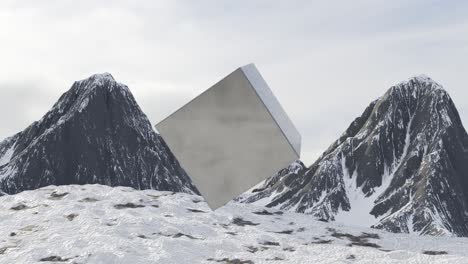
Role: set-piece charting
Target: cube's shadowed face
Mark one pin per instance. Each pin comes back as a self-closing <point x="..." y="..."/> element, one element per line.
<point x="232" y="136"/>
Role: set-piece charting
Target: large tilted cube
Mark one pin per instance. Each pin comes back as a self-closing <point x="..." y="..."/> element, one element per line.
<point x="232" y="136"/>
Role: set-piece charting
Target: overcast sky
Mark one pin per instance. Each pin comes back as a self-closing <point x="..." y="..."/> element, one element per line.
<point x="324" y="60"/>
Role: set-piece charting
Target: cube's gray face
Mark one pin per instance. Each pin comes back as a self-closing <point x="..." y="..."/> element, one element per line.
<point x="232" y="136"/>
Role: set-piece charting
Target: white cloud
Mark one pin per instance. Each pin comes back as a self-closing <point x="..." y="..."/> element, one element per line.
<point x="325" y="61"/>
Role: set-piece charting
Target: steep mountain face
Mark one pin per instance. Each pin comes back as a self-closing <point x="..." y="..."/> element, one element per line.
<point x="95" y="133"/>
<point x="401" y="166"/>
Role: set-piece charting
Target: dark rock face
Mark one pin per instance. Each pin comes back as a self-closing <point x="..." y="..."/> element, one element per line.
<point x="95" y="134"/>
<point x="401" y="166"/>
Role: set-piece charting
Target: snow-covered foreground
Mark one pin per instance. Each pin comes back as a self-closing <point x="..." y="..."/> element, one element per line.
<point x="99" y="224"/>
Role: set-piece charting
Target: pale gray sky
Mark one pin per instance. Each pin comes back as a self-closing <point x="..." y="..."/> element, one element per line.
<point x="324" y="60"/>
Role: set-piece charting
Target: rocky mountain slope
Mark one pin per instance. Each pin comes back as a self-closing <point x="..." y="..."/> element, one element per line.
<point x="100" y="224"/>
<point x="95" y="133"/>
<point x="401" y="166"/>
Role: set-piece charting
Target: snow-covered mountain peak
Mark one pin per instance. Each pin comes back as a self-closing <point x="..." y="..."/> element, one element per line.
<point x="103" y="76"/>
<point x="424" y="81"/>
<point x="421" y="78"/>
<point x="99" y="78"/>
<point x="92" y="95"/>
<point x="400" y="166"/>
<point x="95" y="133"/>
<point x="103" y="81"/>
<point x="419" y="85"/>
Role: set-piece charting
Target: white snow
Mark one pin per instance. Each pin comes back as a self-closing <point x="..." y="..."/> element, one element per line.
<point x="83" y="104"/>
<point x="7" y="155"/>
<point x="422" y="78"/>
<point x="294" y="167"/>
<point x="82" y="224"/>
<point x="4" y="160"/>
<point x="361" y="206"/>
<point x="445" y="117"/>
<point x="359" y="215"/>
<point x="7" y="171"/>
<point x="268" y="199"/>
<point x="98" y="80"/>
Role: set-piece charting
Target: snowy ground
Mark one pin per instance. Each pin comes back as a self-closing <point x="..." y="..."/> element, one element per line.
<point x="99" y="224"/>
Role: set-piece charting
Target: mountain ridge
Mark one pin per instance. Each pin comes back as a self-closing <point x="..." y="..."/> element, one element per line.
<point x="94" y="133"/>
<point x="400" y="166"/>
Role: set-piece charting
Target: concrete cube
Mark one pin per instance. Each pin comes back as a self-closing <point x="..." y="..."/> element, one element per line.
<point x="232" y="136"/>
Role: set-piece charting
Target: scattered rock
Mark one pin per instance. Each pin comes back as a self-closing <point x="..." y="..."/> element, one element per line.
<point x="231" y="261"/>
<point x="289" y="249"/>
<point x="57" y="196"/>
<point x="155" y="205"/>
<point x="142" y="236"/>
<point x="286" y="232"/>
<point x="364" y="244"/>
<point x="128" y="205"/>
<point x="184" y="235"/>
<point x="196" y="200"/>
<point x="88" y="200"/>
<point x="321" y="241"/>
<point x="434" y="253"/>
<point x="225" y="226"/>
<point x="269" y="243"/>
<point x="361" y="240"/>
<point x="232" y="233"/>
<point x="252" y="249"/>
<point x="195" y="210"/>
<point x="12" y="234"/>
<point x="54" y="259"/>
<point x="385" y="250"/>
<point x="369" y="235"/>
<point x="265" y="212"/>
<point x="178" y="235"/>
<point x="3" y="250"/>
<point x="19" y="207"/>
<point x="351" y="257"/>
<point x="275" y="259"/>
<point x="301" y="229"/>
<point x="241" y="222"/>
<point x="70" y="217"/>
